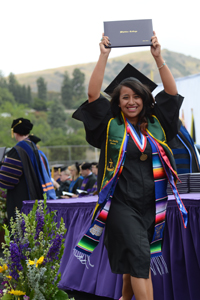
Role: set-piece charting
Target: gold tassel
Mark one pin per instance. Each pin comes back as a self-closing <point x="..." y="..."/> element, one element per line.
<point x="12" y="133"/>
<point x="52" y="172"/>
<point x="12" y="129"/>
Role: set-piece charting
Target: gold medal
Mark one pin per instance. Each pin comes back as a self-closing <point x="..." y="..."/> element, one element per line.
<point x="143" y="156"/>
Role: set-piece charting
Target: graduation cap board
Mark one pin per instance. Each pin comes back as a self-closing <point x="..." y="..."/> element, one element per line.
<point x="34" y="138"/>
<point x="130" y="72"/>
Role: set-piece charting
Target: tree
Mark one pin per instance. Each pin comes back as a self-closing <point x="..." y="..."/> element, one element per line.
<point x="57" y="116"/>
<point x="78" y="84"/>
<point x="28" y="94"/>
<point x="39" y="104"/>
<point x="12" y="83"/>
<point x="5" y="95"/>
<point x="67" y="91"/>
<point x="18" y="91"/>
<point x="3" y="82"/>
<point x="41" y="88"/>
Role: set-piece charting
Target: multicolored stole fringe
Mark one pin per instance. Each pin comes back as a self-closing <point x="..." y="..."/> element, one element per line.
<point x="162" y="172"/>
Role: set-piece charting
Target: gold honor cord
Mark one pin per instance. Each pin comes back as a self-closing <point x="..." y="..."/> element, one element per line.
<point x="12" y="129"/>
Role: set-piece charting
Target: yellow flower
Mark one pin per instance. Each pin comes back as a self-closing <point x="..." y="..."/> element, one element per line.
<point x="1" y="269"/>
<point x="16" y="293"/>
<point x="39" y="261"/>
<point x="9" y="277"/>
<point x="31" y="262"/>
<point x="4" y="268"/>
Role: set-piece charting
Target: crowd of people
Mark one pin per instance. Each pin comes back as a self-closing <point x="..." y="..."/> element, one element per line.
<point x="76" y="180"/>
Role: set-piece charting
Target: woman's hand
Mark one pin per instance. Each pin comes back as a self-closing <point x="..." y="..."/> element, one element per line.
<point x="155" y="47"/>
<point x="104" y="42"/>
<point x="165" y="74"/>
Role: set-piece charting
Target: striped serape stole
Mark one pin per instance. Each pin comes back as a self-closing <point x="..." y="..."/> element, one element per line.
<point x="90" y="240"/>
<point x="160" y="182"/>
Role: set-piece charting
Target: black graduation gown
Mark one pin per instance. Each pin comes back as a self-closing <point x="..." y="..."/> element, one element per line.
<point x="64" y="187"/>
<point x="90" y="182"/>
<point x="28" y="187"/>
<point x="130" y="223"/>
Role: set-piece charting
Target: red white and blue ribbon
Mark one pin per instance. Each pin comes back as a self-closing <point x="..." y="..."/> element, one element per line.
<point x="140" y="140"/>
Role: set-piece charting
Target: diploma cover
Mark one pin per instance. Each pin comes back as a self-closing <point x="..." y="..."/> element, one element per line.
<point x="132" y="33"/>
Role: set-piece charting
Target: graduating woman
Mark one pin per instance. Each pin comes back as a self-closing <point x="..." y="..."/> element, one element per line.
<point x="135" y="163"/>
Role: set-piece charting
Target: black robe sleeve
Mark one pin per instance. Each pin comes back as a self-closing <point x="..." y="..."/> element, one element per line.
<point x="95" y="116"/>
<point x="166" y="110"/>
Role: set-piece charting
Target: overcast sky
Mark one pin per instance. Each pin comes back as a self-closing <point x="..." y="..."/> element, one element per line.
<point x="41" y="34"/>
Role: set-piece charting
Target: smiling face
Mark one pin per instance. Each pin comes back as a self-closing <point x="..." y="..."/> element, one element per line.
<point x="131" y="104"/>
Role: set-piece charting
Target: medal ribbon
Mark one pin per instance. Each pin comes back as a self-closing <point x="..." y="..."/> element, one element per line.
<point x="140" y="141"/>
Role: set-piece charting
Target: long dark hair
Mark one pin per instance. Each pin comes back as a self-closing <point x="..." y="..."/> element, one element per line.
<point x="142" y="91"/>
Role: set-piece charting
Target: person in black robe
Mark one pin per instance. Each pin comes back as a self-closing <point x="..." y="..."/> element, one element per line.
<point x="185" y="153"/>
<point x="35" y="139"/>
<point x="130" y="221"/>
<point x="64" y="182"/>
<point x="17" y="173"/>
<point x="89" y="179"/>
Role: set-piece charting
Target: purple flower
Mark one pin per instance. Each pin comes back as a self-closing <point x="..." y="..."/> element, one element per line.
<point x="54" y="250"/>
<point x="40" y="223"/>
<point x="23" y="226"/>
<point x="1" y="292"/>
<point x="26" y="298"/>
<point x="16" y="257"/>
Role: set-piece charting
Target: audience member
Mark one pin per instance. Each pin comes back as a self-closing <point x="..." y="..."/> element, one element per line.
<point x="76" y="180"/>
<point x="22" y="172"/>
<point x="95" y="168"/>
<point x="89" y="178"/>
<point x="64" y="182"/>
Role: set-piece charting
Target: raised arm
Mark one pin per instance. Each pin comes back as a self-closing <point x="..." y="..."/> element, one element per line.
<point x="165" y="73"/>
<point x="97" y="76"/>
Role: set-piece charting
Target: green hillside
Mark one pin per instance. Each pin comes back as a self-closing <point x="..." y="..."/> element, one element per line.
<point x="180" y="65"/>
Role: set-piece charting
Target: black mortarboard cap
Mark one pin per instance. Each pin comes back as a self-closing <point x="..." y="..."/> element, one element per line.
<point x="21" y="126"/>
<point x="57" y="167"/>
<point x="127" y="72"/>
<point x="86" y="166"/>
<point x="63" y="168"/>
<point x="34" y="138"/>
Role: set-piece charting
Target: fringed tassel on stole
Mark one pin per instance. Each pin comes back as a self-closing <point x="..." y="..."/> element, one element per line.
<point x="83" y="258"/>
<point x="158" y="264"/>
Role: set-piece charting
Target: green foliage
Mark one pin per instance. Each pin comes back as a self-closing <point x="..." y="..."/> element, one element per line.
<point x="32" y="258"/>
<point x="67" y="91"/>
<point x="21" y="93"/>
<point x="78" y="85"/>
<point x="3" y="82"/>
<point x="57" y="116"/>
<point x="41" y="88"/>
<point x="6" y="95"/>
<point x="74" y="123"/>
<point x="73" y="90"/>
<point x="39" y="104"/>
